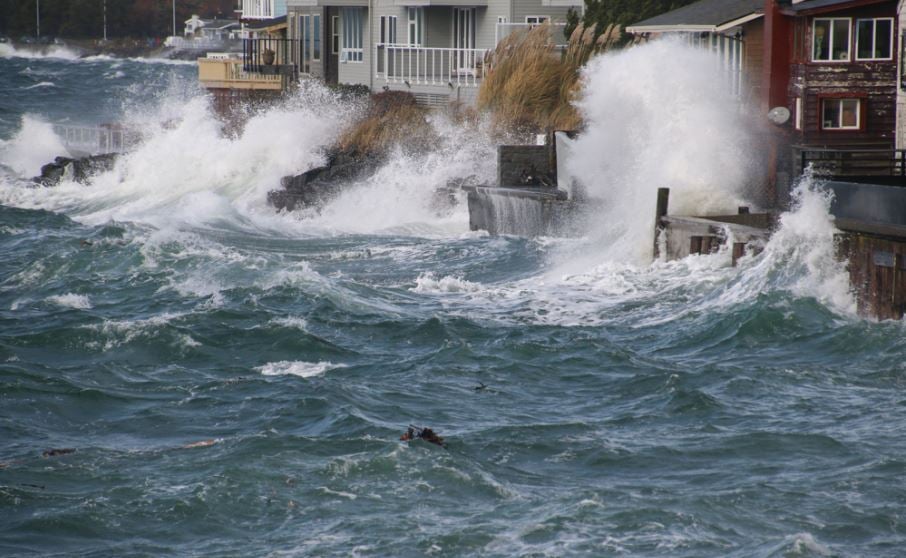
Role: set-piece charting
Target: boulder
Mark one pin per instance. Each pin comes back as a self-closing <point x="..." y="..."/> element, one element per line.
<point x="77" y="170"/>
<point x="316" y="187"/>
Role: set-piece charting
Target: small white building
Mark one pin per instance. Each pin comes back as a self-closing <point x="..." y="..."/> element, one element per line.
<point x="210" y="29"/>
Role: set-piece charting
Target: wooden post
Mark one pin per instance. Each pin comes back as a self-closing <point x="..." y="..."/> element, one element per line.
<point x="663" y="198"/>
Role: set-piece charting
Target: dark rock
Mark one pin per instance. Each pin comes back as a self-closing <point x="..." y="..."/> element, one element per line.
<point x="315" y="188"/>
<point x="78" y="170"/>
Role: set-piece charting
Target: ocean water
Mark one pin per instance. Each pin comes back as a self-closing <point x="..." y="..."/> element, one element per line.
<point x="234" y="381"/>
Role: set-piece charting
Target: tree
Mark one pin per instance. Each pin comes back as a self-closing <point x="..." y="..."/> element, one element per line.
<point x="625" y="12"/>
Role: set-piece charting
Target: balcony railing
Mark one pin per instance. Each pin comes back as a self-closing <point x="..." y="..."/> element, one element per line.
<point x="258" y="9"/>
<point x="94" y="140"/>
<point x="270" y="56"/>
<point x="413" y="65"/>
<point x="887" y="166"/>
<point x="221" y="72"/>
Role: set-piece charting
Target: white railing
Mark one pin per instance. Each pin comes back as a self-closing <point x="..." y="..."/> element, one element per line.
<point x="94" y="139"/>
<point x="558" y="35"/>
<point x="183" y="43"/>
<point x="257" y="9"/>
<point x="464" y="67"/>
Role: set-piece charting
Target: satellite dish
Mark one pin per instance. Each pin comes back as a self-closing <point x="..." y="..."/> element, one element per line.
<point x="779" y="115"/>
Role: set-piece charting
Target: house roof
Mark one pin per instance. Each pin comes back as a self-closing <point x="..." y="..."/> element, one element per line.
<point x="219" y="23"/>
<point x="266" y="23"/>
<point x="705" y="15"/>
<point x="808" y="5"/>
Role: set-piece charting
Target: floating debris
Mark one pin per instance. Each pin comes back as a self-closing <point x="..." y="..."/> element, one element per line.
<point x="56" y="452"/>
<point x="426" y="434"/>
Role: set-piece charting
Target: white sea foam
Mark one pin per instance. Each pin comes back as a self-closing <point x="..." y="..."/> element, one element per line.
<point x="291" y="322"/>
<point x="40" y="85"/>
<point x="34" y="145"/>
<point x="70" y="300"/>
<point x="55" y="51"/>
<point x="429" y="283"/>
<point x="657" y="115"/>
<point x="297" y="368"/>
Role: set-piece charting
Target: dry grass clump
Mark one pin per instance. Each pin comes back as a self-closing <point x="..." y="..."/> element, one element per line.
<point x="530" y="86"/>
<point x="393" y="118"/>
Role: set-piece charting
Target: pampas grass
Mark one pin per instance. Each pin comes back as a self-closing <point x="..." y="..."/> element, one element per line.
<point x="393" y="118"/>
<point x="530" y="86"/>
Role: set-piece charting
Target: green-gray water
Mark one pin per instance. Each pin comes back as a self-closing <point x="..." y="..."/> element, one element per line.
<point x="234" y="383"/>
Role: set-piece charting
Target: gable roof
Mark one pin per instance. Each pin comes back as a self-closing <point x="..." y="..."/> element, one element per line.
<point x="705" y="15"/>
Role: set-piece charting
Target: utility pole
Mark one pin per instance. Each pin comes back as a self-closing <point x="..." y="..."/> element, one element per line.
<point x="38" y="17"/>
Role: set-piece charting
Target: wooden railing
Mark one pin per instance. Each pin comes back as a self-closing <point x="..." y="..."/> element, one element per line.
<point x="413" y="65"/>
<point x="225" y="72"/>
<point x="843" y="163"/>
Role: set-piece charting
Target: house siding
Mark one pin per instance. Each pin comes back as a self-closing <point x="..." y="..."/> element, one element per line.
<point x="873" y="82"/>
<point x="753" y="62"/>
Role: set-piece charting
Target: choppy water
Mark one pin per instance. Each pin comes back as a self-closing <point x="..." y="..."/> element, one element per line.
<point x="234" y="382"/>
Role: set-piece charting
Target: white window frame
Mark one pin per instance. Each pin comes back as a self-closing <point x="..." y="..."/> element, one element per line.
<point x="388" y="29"/>
<point x="874" y="36"/>
<point x="840" y="100"/>
<point x="415" y="29"/>
<point x="316" y="31"/>
<point x="536" y="19"/>
<point x="352" y="51"/>
<point x="799" y="113"/>
<point x="830" y="40"/>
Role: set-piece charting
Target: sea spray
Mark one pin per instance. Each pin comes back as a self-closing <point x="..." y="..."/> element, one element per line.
<point x="657" y="115"/>
<point x="34" y="145"/>
<point x="801" y="256"/>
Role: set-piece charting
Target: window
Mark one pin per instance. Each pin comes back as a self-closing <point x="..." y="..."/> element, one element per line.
<point x="335" y="34"/>
<point x="316" y="37"/>
<point x="388" y="30"/>
<point x="536" y="20"/>
<point x="841" y="114"/>
<point x="304" y="43"/>
<point x="874" y="39"/>
<point x="416" y="25"/>
<point x="353" y="26"/>
<point x="830" y="39"/>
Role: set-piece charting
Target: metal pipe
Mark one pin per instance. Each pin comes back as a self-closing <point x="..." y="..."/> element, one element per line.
<point x="174" y="18"/>
<point x="38" y="18"/>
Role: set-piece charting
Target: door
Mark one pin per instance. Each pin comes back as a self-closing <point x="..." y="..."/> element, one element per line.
<point x="464" y="38"/>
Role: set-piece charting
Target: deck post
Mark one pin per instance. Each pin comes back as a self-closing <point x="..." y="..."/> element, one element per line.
<point x="663" y="198"/>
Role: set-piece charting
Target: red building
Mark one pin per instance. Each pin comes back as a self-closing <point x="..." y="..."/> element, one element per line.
<point x="834" y="65"/>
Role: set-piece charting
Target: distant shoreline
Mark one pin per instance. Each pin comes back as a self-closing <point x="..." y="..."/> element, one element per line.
<point x="116" y="48"/>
